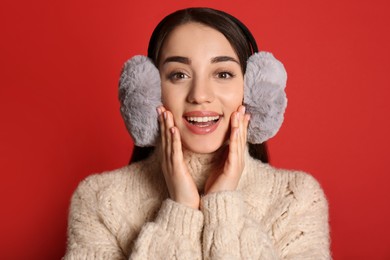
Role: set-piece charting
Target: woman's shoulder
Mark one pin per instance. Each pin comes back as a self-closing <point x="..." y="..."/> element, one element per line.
<point x="294" y="176"/>
<point x="114" y="179"/>
<point x="285" y="180"/>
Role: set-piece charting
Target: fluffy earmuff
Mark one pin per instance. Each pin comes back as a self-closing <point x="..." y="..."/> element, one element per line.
<point x="264" y="98"/>
<point x="139" y="96"/>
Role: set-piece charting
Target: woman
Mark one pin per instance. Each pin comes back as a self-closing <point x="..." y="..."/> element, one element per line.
<point x="199" y="193"/>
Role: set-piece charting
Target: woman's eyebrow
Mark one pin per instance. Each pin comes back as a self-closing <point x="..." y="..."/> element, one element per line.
<point x="223" y="59"/>
<point x="179" y="59"/>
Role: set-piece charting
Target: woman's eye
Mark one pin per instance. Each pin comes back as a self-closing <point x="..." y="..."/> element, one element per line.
<point x="177" y="76"/>
<point x="225" y="75"/>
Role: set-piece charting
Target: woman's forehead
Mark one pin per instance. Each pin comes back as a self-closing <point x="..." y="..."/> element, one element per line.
<point x="192" y="39"/>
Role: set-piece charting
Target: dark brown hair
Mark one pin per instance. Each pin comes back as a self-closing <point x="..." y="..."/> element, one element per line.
<point x="235" y="32"/>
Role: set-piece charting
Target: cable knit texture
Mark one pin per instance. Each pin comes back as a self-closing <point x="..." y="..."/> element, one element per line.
<point x="126" y="214"/>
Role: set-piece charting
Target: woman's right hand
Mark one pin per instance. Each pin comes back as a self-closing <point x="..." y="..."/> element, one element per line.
<point x="181" y="186"/>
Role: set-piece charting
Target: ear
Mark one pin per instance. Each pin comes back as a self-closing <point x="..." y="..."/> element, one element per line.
<point x="139" y="96"/>
<point x="264" y="96"/>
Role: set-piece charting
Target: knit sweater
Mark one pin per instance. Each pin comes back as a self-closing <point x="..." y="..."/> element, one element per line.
<point x="127" y="214"/>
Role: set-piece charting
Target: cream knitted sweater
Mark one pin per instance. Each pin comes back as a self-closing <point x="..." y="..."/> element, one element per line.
<point x="126" y="214"/>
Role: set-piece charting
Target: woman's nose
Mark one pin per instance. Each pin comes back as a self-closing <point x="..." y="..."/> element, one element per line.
<point x="200" y="92"/>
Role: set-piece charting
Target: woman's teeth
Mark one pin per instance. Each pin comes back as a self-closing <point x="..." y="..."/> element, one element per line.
<point x="202" y="119"/>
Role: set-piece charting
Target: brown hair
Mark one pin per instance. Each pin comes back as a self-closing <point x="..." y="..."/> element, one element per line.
<point x="235" y="32"/>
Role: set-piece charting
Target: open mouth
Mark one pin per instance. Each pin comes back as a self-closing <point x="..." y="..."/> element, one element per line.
<point x="202" y="121"/>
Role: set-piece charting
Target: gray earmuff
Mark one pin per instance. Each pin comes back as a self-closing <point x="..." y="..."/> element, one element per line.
<point x="139" y="96"/>
<point x="264" y="98"/>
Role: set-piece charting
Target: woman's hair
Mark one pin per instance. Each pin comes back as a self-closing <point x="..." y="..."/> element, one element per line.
<point x="235" y="32"/>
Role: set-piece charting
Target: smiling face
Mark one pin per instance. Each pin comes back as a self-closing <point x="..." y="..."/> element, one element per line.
<point x="202" y="85"/>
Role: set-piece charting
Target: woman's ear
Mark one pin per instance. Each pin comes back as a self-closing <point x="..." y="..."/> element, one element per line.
<point x="264" y="96"/>
<point x="139" y="96"/>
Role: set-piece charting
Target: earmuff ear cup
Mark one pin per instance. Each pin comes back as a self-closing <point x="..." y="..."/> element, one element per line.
<point x="264" y="96"/>
<point x="139" y="96"/>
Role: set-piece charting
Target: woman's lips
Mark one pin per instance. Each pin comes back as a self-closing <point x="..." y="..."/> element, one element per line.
<point x="202" y="122"/>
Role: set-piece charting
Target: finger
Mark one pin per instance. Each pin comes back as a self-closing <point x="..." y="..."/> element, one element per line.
<point x="168" y="124"/>
<point x="168" y="119"/>
<point x="241" y="126"/>
<point x="240" y="121"/>
<point x="177" y="153"/>
<point x="234" y="119"/>
<point x="234" y="132"/>
<point x="241" y="109"/>
<point x="246" y="124"/>
<point x="160" y="117"/>
<point x="160" y="111"/>
<point x="239" y="142"/>
<point x="231" y="161"/>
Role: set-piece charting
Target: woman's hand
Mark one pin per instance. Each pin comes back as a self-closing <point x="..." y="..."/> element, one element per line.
<point x="228" y="179"/>
<point x="181" y="186"/>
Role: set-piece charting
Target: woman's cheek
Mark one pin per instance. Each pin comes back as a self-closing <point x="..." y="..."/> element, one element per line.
<point x="172" y="98"/>
<point x="233" y="98"/>
<point x="167" y="93"/>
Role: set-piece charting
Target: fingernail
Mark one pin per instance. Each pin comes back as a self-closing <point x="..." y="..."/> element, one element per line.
<point x="243" y="109"/>
<point x="172" y="130"/>
<point x="165" y="115"/>
<point x="158" y="111"/>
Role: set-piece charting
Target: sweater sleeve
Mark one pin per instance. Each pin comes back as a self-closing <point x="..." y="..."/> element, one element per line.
<point x="228" y="233"/>
<point x="175" y="234"/>
<point x="295" y="228"/>
<point x="88" y="235"/>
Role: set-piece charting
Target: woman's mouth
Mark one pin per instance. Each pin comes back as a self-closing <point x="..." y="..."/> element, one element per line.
<point x="202" y="122"/>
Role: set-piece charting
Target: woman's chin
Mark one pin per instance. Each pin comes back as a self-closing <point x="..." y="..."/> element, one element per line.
<point x="202" y="147"/>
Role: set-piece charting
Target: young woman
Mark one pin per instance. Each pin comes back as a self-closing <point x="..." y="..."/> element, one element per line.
<point x="202" y="191"/>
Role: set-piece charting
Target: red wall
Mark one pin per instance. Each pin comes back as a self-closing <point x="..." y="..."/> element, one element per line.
<point x="60" y="121"/>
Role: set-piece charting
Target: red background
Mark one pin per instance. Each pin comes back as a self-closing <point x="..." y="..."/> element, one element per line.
<point x="60" y="121"/>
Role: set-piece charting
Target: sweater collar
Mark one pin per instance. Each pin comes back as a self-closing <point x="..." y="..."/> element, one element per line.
<point x="200" y="166"/>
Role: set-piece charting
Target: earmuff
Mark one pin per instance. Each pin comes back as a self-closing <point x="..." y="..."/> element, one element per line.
<point x="264" y="96"/>
<point x="139" y="96"/>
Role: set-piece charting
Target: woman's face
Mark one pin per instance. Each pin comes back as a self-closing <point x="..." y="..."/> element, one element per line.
<point x="202" y="85"/>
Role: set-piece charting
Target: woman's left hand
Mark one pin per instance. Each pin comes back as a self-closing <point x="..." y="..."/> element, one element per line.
<point x="228" y="178"/>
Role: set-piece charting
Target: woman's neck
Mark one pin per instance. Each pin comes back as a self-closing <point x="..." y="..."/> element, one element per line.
<point x="200" y="166"/>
